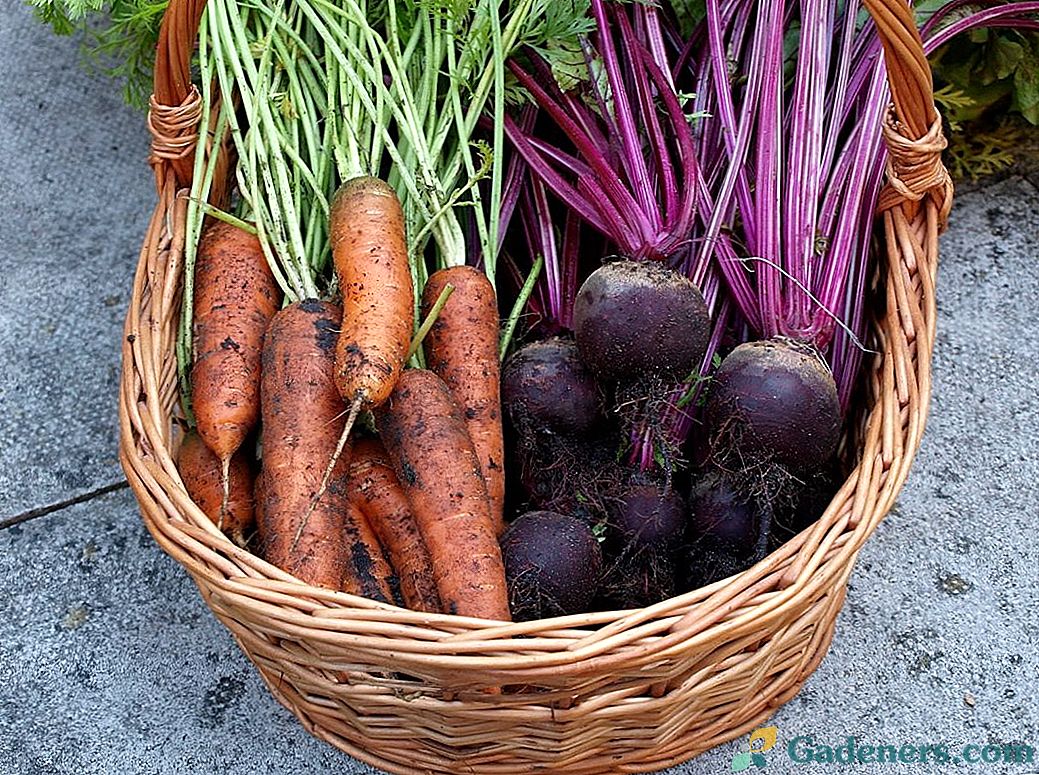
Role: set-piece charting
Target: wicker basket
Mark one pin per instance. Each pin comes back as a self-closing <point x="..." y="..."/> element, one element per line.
<point x="603" y="692"/>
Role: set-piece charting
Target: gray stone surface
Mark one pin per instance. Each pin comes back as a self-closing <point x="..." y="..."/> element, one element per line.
<point x="76" y="195"/>
<point x="110" y="662"/>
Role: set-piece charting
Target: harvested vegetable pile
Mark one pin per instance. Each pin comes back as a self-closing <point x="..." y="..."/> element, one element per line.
<point x="528" y="308"/>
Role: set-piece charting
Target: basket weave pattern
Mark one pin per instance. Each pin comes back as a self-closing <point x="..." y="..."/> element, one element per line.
<point x="596" y="693"/>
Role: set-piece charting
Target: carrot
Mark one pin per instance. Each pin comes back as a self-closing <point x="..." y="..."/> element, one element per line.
<point x="368" y="573"/>
<point x="370" y="254"/>
<point x="366" y="230"/>
<point x="302" y="417"/>
<point x="235" y="298"/>
<point x="462" y="349"/>
<point x="201" y="471"/>
<point x="377" y="493"/>
<point x="433" y="457"/>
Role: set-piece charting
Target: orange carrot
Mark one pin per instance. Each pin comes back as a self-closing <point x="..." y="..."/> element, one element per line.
<point x="302" y="419"/>
<point x="235" y="298"/>
<point x="368" y="574"/>
<point x="201" y="471"/>
<point x="462" y="349"/>
<point x="366" y="230"/>
<point x="426" y="438"/>
<point x="377" y="493"/>
<point x="370" y="254"/>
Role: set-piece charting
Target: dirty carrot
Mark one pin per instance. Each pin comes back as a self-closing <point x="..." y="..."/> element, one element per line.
<point x="425" y="436"/>
<point x="234" y="300"/>
<point x="374" y="488"/>
<point x="370" y="254"/>
<point x="368" y="573"/>
<point x="462" y="349"/>
<point x="302" y="415"/>
<point x="201" y="471"/>
<point x="366" y="230"/>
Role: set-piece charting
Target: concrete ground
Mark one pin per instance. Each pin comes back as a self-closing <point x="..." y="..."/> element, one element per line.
<point x="109" y="661"/>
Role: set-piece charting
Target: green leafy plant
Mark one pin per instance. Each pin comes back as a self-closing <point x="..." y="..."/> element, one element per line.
<point x="987" y="89"/>
<point x="990" y="70"/>
<point x="119" y="37"/>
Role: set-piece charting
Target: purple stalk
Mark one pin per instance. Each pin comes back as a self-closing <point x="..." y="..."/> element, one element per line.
<point x="665" y="171"/>
<point x="768" y="163"/>
<point x="515" y="174"/>
<point x="647" y="22"/>
<point x="1009" y="15"/>
<point x="541" y="234"/>
<point x="601" y="102"/>
<point x="838" y="94"/>
<point x="607" y="179"/>
<point x="847" y="355"/>
<point x="681" y="222"/>
<point x="571" y="260"/>
<point x="718" y="245"/>
<point x="864" y="161"/>
<point x="645" y="206"/>
<point x="802" y="189"/>
<point x="633" y="160"/>
<point x="583" y="116"/>
<point x="559" y="185"/>
<point x="718" y="74"/>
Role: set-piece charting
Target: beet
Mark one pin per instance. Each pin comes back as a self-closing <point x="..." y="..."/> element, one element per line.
<point x="721" y="516"/>
<point x="774" y="401"/>
<point x="638" y="317"/>
<point x="552" y="565"/>
<point x="807" y="506"/>
<point x="705" y="564"/>
<point x="638" y="581"/>
<point x="546" y="388"/>
<point x="725" y="530"/>
<point x="650" y="517"/>
<point x="648" y="523"/>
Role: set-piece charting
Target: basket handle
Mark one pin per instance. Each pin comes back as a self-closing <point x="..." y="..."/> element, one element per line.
<point x="913" y="133"/>
<point x="176" y="106"/>
<point x="908" y="72"/>
<point x="177" y="37"/>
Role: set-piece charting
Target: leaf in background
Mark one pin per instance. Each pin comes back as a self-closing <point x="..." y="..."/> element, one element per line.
<point x="791" y="45"/>
<point x="119" y="37"/>
<point x="990" y="71"/>
<point x="60" y="18"/>
<point x="66" y="11"/>
<point x="956" y="62"/>
<point x="568" y="65"/>
<point x="983" y="151"/>
<point x="689" y="13"/>
<point x="1026" y="88"/>
<point x="563" y="22"/>
<point x="1003" y="59"/>
<point x="952" y="102"/>
<point x="925" y="9"/>
<point x="557" y="39"/>
<point x="979" y="35"/>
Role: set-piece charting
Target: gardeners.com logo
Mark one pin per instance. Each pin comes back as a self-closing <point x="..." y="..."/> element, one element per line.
<point x="804" y="749"/>
<point x="761" y="741"/>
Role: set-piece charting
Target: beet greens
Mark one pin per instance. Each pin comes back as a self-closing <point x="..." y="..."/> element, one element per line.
<point x="748" y="154"/>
